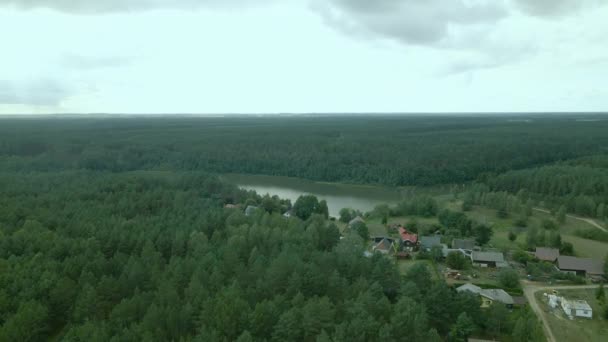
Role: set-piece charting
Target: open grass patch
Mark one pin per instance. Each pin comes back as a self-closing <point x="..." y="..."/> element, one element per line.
<point x="578" y="329"/>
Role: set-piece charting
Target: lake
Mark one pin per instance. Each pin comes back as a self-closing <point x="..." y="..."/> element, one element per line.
<point x="338" y="196"/>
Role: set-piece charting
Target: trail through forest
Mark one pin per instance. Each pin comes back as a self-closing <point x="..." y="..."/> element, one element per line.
<point x="587" y="220"/>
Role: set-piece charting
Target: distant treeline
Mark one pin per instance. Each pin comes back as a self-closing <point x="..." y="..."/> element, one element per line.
<point x="580" y="185"/>
<point x="389" y="150"/>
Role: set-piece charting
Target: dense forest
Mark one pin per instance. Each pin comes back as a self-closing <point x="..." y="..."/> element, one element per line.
<point x="156" y="256"/>
<point x="118" y="229"/>
<point x="580" y="185"/>
<point x="389" y="150"/>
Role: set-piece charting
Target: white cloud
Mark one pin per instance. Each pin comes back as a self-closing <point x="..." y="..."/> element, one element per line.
<point x="471" y="55"/>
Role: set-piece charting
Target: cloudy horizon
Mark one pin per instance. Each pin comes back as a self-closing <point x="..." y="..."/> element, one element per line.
<point x="306" y="56"/>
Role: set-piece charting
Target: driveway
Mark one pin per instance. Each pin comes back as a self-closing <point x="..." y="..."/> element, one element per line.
<point x="531" y="288"/>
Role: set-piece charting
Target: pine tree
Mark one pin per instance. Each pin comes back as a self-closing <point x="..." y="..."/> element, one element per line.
<point x="600" y="294"/>
<point x="561" y="214"/>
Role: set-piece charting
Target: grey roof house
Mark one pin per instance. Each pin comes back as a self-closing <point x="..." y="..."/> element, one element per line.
<point x="580" y="266"/>
<point x="489" y="259"/>
<point x="463" y="244"/>
<point x="356" y="220"/>
<point x="546" y="254"/>
<point x="427" y="242"/>
<point x="489" y="295"/>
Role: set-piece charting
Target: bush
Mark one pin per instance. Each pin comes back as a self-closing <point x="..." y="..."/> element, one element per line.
<point x="522" y="257"/>
<point x="549" y="225"/>
<point x="456" y="260"/>
<point x="508" y="278"/>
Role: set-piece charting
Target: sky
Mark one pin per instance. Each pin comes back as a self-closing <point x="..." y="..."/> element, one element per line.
<point x="302" y="56"/>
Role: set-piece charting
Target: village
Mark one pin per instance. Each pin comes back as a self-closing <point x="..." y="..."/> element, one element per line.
<point x="480" y="271"/>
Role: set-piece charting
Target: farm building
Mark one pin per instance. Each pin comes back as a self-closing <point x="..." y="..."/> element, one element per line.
<point x="580" y="266"/>
<point x="546" y="254"/>
<point x="488" y="259"/>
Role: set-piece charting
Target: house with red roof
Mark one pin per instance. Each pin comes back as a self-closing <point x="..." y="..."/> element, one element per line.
<point x="409" y="241"/>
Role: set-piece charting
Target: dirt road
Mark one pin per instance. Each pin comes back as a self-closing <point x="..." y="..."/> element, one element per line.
<point x="587" y="220"/>
<point x="531" y="288"/>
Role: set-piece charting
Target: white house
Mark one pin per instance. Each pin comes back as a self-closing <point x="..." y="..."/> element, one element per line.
<point x="577" y="308"/>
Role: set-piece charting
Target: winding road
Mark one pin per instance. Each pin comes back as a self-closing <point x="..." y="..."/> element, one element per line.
<point x="587" y="220"/>
<point x="531" y="288"/>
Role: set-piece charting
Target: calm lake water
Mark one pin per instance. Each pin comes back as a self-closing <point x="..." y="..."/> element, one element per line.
<point x="338" y="196"/>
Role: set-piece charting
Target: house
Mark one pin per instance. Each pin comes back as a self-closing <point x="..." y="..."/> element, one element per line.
<point x="488" y="296"/>
<point x="546" y="254"/>
<point x="377" y="239"/>
<point x="463" y="244"/>
<point x="580" y="266"/>
<point x="469" y="287"/>
<point x="467" y="253"/>
<point x="356" y="220"/>
<point x="288" y="213"/>
<point x="408" y="240"/>
<point x="577" y="308"/>
<point x="250" y="210"/>
<point x="428" y="242"/>
<point x="384" y="246"/>
<point x="488" y="259"/>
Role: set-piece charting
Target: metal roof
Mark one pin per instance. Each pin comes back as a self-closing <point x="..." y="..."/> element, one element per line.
<point x="487" y="257"/>
<point x="546" y="254"/>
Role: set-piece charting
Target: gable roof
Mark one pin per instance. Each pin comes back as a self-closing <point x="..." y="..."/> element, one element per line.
<point x="384" y="245"/>
<point x="570" y="263"/>
<point x="469" y="287"/>
<point x="546" y="254"/>
<point x="463" y="244"/>
<point x="430" y="241"/>
<point x="407" y="236"/>
<point x="497" y="295"/>
<point x="356" y="220"/>
<point x="488" y="257"/>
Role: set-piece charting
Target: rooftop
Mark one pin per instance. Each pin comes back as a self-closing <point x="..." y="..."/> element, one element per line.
<point x="463" y="244"/>
<point x="580" y="264"/>
<point x="407" y="236"/>
<point x="497" y="295"/>
<point x="488" y="257"/>
<point x="430" y="241"/>
<point x="577" y="304"/>
<point x="469" y="287"/>
<point x="546" y="254"/>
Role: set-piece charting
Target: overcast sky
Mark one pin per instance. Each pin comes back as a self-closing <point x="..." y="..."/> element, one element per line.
<point x="276" y="56"/>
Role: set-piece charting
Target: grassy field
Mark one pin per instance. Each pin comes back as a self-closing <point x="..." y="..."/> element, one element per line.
<point x="579" y="329"/>
<point x="376" y="228"/>
<point x="500" y="240"/>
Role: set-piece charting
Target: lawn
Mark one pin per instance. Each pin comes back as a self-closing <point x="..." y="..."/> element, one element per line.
<point x="579" y="329"/>
<point x="582" y="247"/>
